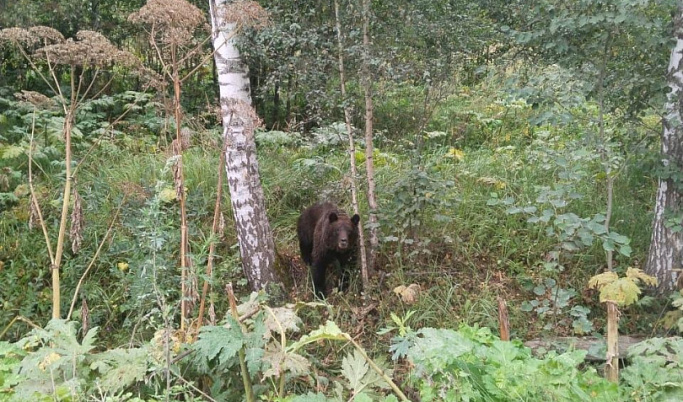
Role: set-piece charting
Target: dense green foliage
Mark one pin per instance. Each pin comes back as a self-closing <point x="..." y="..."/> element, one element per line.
<point x="502" y="129"/>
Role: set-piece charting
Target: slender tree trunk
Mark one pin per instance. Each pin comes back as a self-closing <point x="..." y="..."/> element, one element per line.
<point x="352" y="151"/>
<point x="666" y="244"/>
<point x="606" y="156"/>
<point x="366" y="76"/>
<point x="255" y="238"/>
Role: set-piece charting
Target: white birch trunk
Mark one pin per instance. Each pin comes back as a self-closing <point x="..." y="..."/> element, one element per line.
<point x="255" y="238"/>
<point x="664" y="257"/>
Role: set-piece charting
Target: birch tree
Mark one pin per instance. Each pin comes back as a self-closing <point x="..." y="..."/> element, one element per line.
<point x="664" y="258"/>
<point x="255" y="238"/>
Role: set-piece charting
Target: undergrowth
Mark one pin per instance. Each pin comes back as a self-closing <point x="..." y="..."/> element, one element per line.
<point x="462" y="216"/>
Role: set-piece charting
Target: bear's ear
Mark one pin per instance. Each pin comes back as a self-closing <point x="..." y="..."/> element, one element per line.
<point x="333" y="217"/>
<point x="355" y="219"/>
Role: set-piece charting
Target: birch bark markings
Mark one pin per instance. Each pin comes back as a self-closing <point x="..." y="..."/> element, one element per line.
<point x="666" y="245"/>
<point x="255" y="238"/>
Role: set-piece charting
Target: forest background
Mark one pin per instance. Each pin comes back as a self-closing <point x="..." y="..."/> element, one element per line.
<point x="500" y="153"/>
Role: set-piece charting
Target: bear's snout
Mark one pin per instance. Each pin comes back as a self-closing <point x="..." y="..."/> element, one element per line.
<point x="343" y="243"/>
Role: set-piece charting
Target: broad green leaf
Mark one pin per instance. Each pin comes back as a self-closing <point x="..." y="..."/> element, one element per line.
<point x="600" y="280"/>
<point x="120" y="368"/>
<point x="281" y="361"/>
<point x="282" y="318"/>
<point x="363" y="397"/>
<point x="354" y="368"/>
<point x="625" y="250"/>
<point x="608" y="245"/>
<point x="219" y="341"/>
<point x="638" y="275"/>
<point x="622" y="291"/>
<point x="597" y="228"/>
<point x="329" y="331"/>
<point x="619" y="239"/>
<point x="167" y="195"/>
<point x="311" y="397"/>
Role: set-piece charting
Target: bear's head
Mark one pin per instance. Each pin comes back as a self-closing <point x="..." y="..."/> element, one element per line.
<point x="342" y="232"/>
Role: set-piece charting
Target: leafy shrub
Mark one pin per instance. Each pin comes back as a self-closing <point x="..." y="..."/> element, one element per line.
<point x="655" y="372"/>
<point x="472" y="364"/>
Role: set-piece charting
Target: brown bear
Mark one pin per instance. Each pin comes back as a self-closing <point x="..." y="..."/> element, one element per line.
<point x="327" y="236"/>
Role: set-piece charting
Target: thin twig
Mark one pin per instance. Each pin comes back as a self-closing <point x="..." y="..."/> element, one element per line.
<point x="94" y="258"/>
<point x="87" y="90"/>
<point x="15" y="319"/>
<point x="96" y="142"/>
<point x="37" y="70"/>
<point x="207" y="57"/>
<point x="164" y="66"/>
<point x="34" y="198"/>
<point x="178" y="376"/>
<point x="104" y="88"/>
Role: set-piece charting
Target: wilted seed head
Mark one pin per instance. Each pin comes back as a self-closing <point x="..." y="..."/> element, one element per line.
<point x="212" y="314"/>
<point x="150" y="78"/>
<point x="89" y="49"/>
<point x="176" y="20"/>
<point x="77" y="222"/>
<point x="247" y="13"/>
<point x="191" y="295"/>
<point x="34" y="98"/>
<point x="33" y="217"/>
<point x="39" y="35"/>
<point x="85" y="316"/>
<point x="46" y="35"/>
<point x="17" y="35"/>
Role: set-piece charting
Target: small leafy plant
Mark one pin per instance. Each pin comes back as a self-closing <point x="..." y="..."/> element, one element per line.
<point x="255" y="338"/>
<point x="617" y="292"/>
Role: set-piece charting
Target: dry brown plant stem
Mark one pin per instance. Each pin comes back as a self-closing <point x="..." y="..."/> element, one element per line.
<point x="214" y="231"/>
<point x="352" y="151"/>
<point x="612" y="360"/>
<point x="172" y="71"/>
<point x="184" y="243"/>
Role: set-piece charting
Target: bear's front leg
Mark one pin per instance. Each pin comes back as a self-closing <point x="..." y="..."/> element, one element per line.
<point x="319" y="269"/>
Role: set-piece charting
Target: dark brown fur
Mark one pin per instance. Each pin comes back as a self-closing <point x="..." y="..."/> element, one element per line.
<point x="327" y="235"/>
